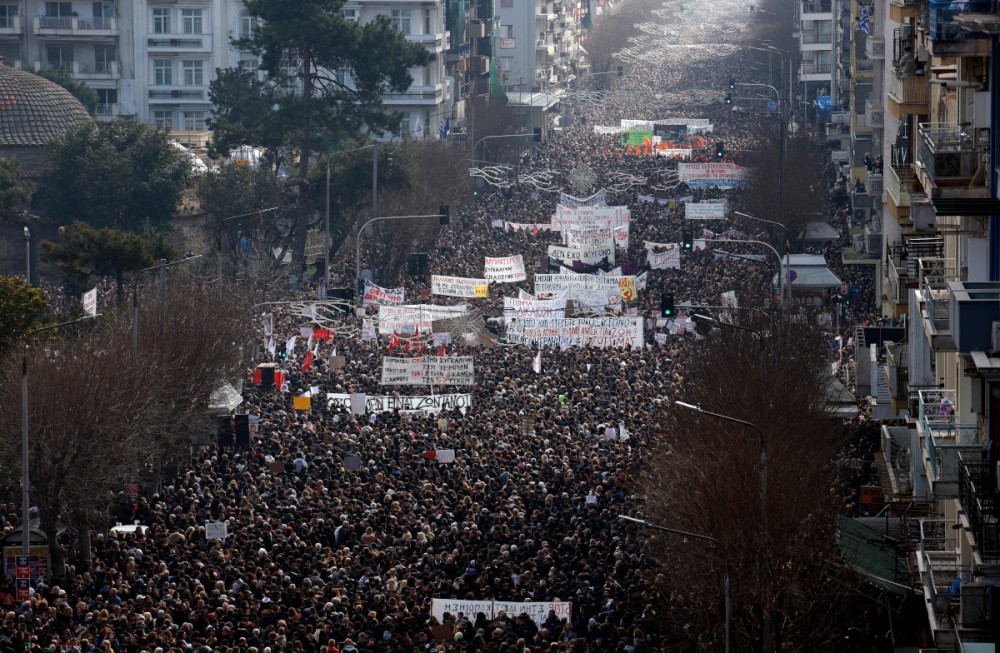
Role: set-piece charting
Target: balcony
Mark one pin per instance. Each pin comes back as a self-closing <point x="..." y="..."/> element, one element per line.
<point x="908" y="95"/>
<point x="809" y="72"/>
<point x="817" y="10"/>
<point x="432" y="41"/>
<point x="874" y="115"/>
<point x="948" y="159"/>
<point x="75" y="26"/>
<point x="944" y="438"/>
<point x="96" y="70"/>
<point x="975" y="306"/>
<point x="875" y="48"/>
<point x="900" y="10"/>
<point x="11" y="26"/>
<point x="172" y="43"/>
<point x="902" y="263"/>
<point x="175" y="94"/>
<point x="811" y="38"/>
<point x="108" y="111"/>
<point x="979" y="501"/>
<point x="898" y="181"/>
<point x="935" y="276"/>
<point x="939" y="561"/>
<point x="546" y="43"/>
<point x="417" y="95"/>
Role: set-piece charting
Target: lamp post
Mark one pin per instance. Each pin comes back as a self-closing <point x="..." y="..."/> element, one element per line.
<point x="781" y="148"/>
<point x="728" y="588"/>
<point x="786" y="243"/>
<point x="712" y="320"/>
<point x="781" y="284"/>
<point x="357" y="242"/>
<point x="486" y="138"/>
<point x="162" y="267"/>
<point x="27" y="254"/>
<point x="25" y="459"/>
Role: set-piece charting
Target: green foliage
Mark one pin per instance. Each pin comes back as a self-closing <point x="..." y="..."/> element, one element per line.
<point x="85" y="251"/>
<point x="248" y="117"/>
<point x="115" y="174"/>
<point x="87" y="96"/>
<point x="22" y="309"/>
<point x="239" y="189"/>
<point x="14" y="190"/>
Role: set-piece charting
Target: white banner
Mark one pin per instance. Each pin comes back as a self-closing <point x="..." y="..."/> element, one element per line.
<point x="428" y="370"/>
<point x="621" y="237"/>
<point x="376" y="296"/>
<point x="518" y="309"/>
<point x="597" y="216"/>
<point x="531" y="226"/>
<point x="430" y="404"/>
<point x="584" y="237"/>
<point x="705" y="210"/>
<point x="538" y="611"/>
<point x="589" y="256"/>
<point x="407" y="318"/>
<point x="597" y="199"/>
<point x="459" y="287"/>
<point x="684" y="153"/>
<point x="90" y="302"/>
<point x="547" y="285"/>
<point x="711" y="175"/>
<point x="505" y="269"/>
<point x="668" y="257"/>
<point x="595" y="332"/>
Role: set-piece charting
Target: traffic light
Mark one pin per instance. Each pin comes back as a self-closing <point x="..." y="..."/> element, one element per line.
<point x="667" y="304"/>
<point x="732" y="83"/>
<point x="729" y="98"/>
<point x="443" y="215"/>
<point x="720" y="150"/>
<point x="688" y="240"/>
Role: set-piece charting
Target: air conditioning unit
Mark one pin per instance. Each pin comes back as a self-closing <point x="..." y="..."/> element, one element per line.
<point x="859" y="243"/>
<point x="861" y="216"/>
<point x="996" y="337"/>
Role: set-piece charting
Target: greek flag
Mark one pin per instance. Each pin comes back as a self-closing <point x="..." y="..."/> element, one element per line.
<point x="864" y="21"/>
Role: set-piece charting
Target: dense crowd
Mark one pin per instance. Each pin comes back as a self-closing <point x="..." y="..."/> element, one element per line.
<point x="343" y="527"/>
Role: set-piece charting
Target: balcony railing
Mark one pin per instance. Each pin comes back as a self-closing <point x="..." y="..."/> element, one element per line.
<point x="934" y="274"/>
<point x="55" y="22"/>
<point x="945" y="438"/>
<point x="817" y="6"/>
<point x="940" y="562"/>
<point x="948" y="153"/>
<point x="975" y="490"/>
<point x="874" y="115"/>
<point x="810" y="38"/>
<point x="909" y="90"/>
<point x="76" y="24"/>
<point x="10" y="25"/>
<point x="898" y="180"/>
<point x="108" y="110"/>
<point x="816" y="68"/>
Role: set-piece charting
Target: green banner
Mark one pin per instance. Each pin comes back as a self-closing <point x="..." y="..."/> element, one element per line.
<point x="636" y="137"/>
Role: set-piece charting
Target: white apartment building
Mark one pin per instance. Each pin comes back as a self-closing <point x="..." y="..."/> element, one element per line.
<point x="537" y="42"/>
<point x="153" y="60"/>
<point x="816" y="21"/>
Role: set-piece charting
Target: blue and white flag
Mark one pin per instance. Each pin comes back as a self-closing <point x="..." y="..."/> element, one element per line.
<point x="864" y="21"/>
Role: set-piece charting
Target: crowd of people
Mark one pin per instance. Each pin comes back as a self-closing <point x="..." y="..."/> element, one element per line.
<point x="342" y="527"/>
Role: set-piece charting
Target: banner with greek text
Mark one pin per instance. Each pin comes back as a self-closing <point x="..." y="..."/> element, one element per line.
<point x="594" y="332"/>
<point x="410" y="317"/>
<point x="547" y="285"/>
<point x="597" y="199"/>
<point x="663" y="256"/>
<point x="711" y="175"/>
<point x="599" y="216"/>
<point x="428" y="370"/>
<point x="376" y="296"/>
<point x="517" y="308"/>
<point x="589" y="256"/>
<point x="459" y="287"/>
<point x="705" y="210"/>
<point x="537" y="611"/>
<point x="505" y="269"/>
<point x="432" y="404"/>
<point x="621" y="237"/>
<point x="583" y="237"/>
<point x="684" y="153"/>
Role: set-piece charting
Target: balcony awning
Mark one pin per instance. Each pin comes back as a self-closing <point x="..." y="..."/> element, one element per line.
<point x="873" y="555"/>
<point x="970" y="206"/>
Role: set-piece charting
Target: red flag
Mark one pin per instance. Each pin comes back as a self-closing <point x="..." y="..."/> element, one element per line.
<point x="322" y="334"/>
<point x="393" y="343"/>
<point x="534" y="231"/>
<point x="406" y="347"/>
<point x="441" y="353"/>
<point x="308" y="362"/>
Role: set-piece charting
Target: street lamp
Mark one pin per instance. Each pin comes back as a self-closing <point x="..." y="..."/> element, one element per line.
<point x="785" y="242"/>
<point x="357" y="242"/>
<point x="27" y="254"/>
<point x="728" y="588"/>
<point x="486" y="138"/>
<point x="162" y="267"/>
<point x="712" y="320"/>
<point x="25" y="504"/>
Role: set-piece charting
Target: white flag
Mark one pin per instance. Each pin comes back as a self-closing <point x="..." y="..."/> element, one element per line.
<point x="271" y="347"/>
<point x="309" y="343"/>
<point x="290" y="345"/>
<point x="90" y="302"/>
<point x="536" y="364"/>
<point x="367" y="330"/>
<point x="622" y="433"/>
<point x="268" y="324"/>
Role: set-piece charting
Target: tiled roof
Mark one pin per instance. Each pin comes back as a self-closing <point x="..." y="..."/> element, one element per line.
<point x="34" y="110"/>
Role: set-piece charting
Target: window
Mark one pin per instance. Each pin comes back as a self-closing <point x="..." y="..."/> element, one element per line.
<point x="427" y="22"/>
<point x="351" y="15"/>
<point x="58" y="9"/>
<point x="427" y="75"/>
<point x="191" y="21"/>
<point x="193" y="121"/>
<point x="107" y="98"/>
<point x="288" y="77"/>
<point x="59" y="56"/>
<point x="193" y="75"/>
<point x="506" y="64"/>
<point x="401" y="20"/>
<point x="104" y="10"/>
<point x="7" y="13"/>
<point x="104" y="55"/>
<point x="161" y="21"/>
<point x="247" y="26"/>
<point x="163" y="72"/>
<point x="506" y="32"/>
<point x="163" y="119"/>
<point x="404" y="124"/>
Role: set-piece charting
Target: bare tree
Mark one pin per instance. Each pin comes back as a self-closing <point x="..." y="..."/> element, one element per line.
<point x="488" y="119"/>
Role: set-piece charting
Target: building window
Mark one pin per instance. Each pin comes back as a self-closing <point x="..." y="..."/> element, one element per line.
<point x="193" y="75"/>
<point x="193" y="121"/>
<point x="427" y="75"/>
<point x="506" y="32"/>
<point x="58" y="9"/>
<point x="161" y="21"/>
<point x="289" y="77"/>
<point x="506" y="4"/>
<point x="163" y="119"/>
<point x="7" y="13"/>
<point x="351" y="15"/>
<point x="401" y="20"/>
<point x="104" y="55"/>
<point x="191" y="21"/>
<point x="404" y="124"/>
<point x="107" y="98"/>
<point x="247" y="26"/>
<point x="506" y="64"/>
<point x="59" y="56"/>
<point x="427" y="22"/>
<point x="163" y="72"/>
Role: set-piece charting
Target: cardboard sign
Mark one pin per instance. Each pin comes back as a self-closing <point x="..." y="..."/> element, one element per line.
<point x="215" y="530"/>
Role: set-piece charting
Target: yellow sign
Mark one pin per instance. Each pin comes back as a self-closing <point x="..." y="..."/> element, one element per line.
<point x="302" y="403"/>
<point x="482" y="291"/>
<point x="627" y="286"/>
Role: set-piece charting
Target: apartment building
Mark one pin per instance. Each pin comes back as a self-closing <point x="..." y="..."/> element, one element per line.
<point x="927" y="106"/>
<point x="817" y="30"/>
<point x="153" y="60"/>
<point x="537" y="42"/>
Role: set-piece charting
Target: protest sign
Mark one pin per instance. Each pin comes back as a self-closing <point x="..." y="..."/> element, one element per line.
<point x="711" y="175"/>
<point x="569" y="255"/>
<point x="530" y="226"/>
<point x="431" y="404"/>
<point x="587" y="237"/>
<point x="597" y="332"/>
<point x="459" y="287"/>
<point x="409" y="317"/>
<point x="516" y="308"/>
<point x="215" y="530"/>
<point x="428" y="370"/>
<point x="597" y="199"/>
<point x="505" y="269"/>
<point x="663" y="256"/>
<point x="377" y="296"/>
<point x="705" y="210"/>
<point x="90" y="302"/>
<point x="537" y="611"/>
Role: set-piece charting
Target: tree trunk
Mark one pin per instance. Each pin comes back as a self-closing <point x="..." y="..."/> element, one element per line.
<point x="57" y="557"/>
<point x="84" y="551"/>
<point x="302" y="218"/>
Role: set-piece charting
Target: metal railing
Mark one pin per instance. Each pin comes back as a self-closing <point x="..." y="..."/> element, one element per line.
<point x="816" y="68"/>
<point x="812" y="37"/>
<point x="898" y="179"/>
<point x="55" y="22"/>
<point x="978" y="498"/>
<point x="817" y="6"/>
<point x="909" y="90"/>
<point x="940" y="558"/>
<point x="94" y="23"/>
<point x="934" y="275"/>
<point x="947" y="151"/>
<point x="945" y="438"/>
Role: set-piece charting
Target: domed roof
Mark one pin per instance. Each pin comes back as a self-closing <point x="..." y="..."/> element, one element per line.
<point x="34" y="110"/>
